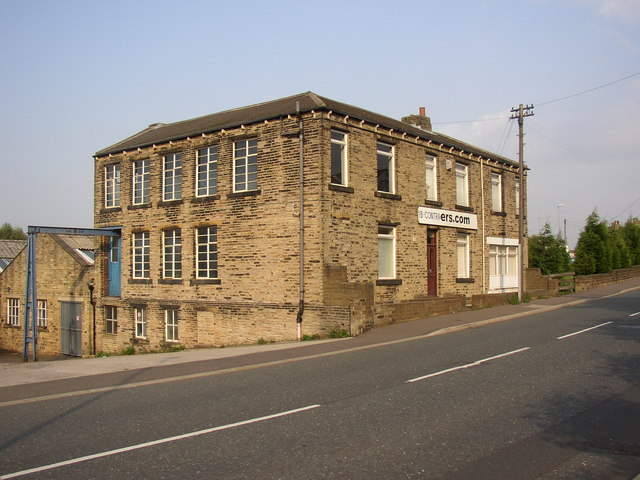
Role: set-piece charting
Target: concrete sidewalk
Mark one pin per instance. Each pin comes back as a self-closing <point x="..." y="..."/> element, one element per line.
<point x="15" y="372"/>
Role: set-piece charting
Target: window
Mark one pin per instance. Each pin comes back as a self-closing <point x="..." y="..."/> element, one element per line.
<point x="141" y="178"/>
<point x="339" y="171"/>
<point x="503" y="264"/>
<point x="385" y="167"/>
<point x="245" y="165"/>
<point x="462" y="253"/>
<point x="172" y="177"/>
<point x="42" y="313"/>
<point x="172" y="254"/>
<point x="462" y="185"/>
<point x="207" y="252"/>
<point x="140" y="261"/>
<point x="386" y="252"/>
<point x="496" y="192"/>
<point x="432" y="178"/>
<point x="140" y="315"/>
<point x="171" y="325"/>
<point x="517" y="196"/>
<point x="111" y="319"/>
<point x="112" y="186"/>
<point x="206" y="171"/>
<point x="13" y="311"/>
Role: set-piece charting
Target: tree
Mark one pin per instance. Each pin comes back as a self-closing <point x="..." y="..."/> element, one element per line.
<point x="631" y="234"/>
<point x="548" y="253"/>
<point x="7" y="232"/>
<point x="594" y="249"/>
<point x="620" y="257"/>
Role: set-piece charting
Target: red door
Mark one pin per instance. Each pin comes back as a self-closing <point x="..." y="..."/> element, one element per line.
<point x="432" y="262"/>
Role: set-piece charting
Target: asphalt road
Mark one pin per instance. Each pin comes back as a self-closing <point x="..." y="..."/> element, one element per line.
<point x="548" y="396"/>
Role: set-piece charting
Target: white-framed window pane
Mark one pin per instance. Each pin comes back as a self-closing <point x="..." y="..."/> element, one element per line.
<point x="141" y="255"/>
<point x="431" y="177"/>
<point x="384" y="154"/>
<point x="172" y="254"/>
<point x="245" y="165"/>
<point x="112" y="186"/>
<point x="140" y="316"/>
<point x="171" y="325"/>
<point x="141" y="181"/>
<point x="496" y="192"/>
<point x="206" y="171"/>
<point x="462" y="254"/>
<point x="13" y="311"/>
<point x="172" y="177"/>
<point x="512" y="261"/>
<point x="111" y="319"/>
<point x="207" y="252"/>
<point x="462" y="184"/>
<point x="339" y="171"/>
<point x="42" y="313"/>
<point x="386" y="252"/>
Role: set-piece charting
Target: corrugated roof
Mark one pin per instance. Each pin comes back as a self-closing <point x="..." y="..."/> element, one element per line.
<point x="11" y="248"/>
<point x="77" y="246"/>
<point x="162" y="133"/>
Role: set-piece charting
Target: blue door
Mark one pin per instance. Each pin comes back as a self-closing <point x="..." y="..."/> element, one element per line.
<point x="113" y="267"/>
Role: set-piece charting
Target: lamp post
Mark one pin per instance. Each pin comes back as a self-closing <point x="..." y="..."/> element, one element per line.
<point x="559" y="226"/>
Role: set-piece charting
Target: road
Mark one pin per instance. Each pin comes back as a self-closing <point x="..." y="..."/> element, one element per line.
<point x="554" y="395"/>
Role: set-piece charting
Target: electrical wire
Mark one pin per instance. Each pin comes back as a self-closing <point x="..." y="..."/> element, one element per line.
<point x="589" y="90"/>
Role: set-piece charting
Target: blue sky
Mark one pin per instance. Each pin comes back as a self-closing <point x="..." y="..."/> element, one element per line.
<point x="78" y="76"/>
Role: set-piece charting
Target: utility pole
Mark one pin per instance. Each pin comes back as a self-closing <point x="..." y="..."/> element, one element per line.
<point x="520" y="112"/>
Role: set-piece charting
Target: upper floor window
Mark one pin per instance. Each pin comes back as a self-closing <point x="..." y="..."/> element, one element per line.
<point x="207" y="252"/>
<point x="385" y="167"/>
<point x="140" y="251"/>
<point x="431" y="170"/>
<point x="42" y="313"/>
<point x="339" y="170"/>
<point x="13" y="311"/>
<point x="462" y="184"/>
<point x="172" y="254"/>
<point x="517" y="196"/>
<point x="386" y="252"/>
<point x="496" y="192"/>
<point x="141" y="179"/>
<point x="206" y="171"/>
<point x="172" y="177"/>
<point x="245" y="165"/>
<point x="112" y="186"/>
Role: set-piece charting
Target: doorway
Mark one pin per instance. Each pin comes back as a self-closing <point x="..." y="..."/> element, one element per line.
<point x="71" y="328"/>
<point x="432" y="262"/>
<point x="113" y="267"/>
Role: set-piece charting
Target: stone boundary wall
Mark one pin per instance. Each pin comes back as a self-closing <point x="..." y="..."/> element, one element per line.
<point x="587" y="282"/>
<point x="386" y="313"/>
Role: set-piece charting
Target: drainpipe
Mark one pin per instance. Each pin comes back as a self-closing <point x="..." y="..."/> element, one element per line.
<point x="484" y="248"/>
<point x="92" y="301"/>
<point x="301" y="218"/>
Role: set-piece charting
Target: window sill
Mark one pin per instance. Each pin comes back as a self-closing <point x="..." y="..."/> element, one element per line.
<point x="465" y="280"/>
<point x="170" y="203"/>
<point x="388" y="196"/>
<point x="249" y="193"/>
<point x="170" y="281"/>
<point x="388" y="281"/>
<point x="499" y="214"/>
<point x="205" y="281"/>
<point x="433" y="203"/>
<point x="140" y="340"/>
<point x="464" y="208"/>
<point x="341" y="188"/>
<point x="140" y="281"/>
<point x="208" y="198"/>
<point x="141" y="206"/>
<point x="110" y="210"/>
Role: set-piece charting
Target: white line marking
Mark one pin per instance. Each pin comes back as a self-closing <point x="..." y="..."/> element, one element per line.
<point x="634" y="314"/>
<point x="469" y="365"/>
<point x="154" y="442"/>
<point x="582" y="331"/>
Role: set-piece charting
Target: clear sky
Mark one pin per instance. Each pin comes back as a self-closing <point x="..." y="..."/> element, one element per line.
<point x="80" y="75"/>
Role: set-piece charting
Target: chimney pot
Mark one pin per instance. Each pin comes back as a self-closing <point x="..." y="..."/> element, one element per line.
<point x="422" y="112"/>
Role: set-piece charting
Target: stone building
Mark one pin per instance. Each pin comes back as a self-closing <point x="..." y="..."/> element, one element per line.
<point x="238" y="225"/>
<point x="65" y="316"/>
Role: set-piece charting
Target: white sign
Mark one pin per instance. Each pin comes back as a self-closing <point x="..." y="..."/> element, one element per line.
<point x="447" y="218"/>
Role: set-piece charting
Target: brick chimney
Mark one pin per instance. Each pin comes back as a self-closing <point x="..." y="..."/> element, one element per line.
<point x="421" y="120"/>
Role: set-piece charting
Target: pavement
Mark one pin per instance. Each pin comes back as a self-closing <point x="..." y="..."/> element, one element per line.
<point x="13" y="371"/>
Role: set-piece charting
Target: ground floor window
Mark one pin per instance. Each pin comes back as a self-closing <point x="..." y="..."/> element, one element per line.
<point x="386" y="252"/>
<point x="42" y="313"/>
<point x="140" y="315"/>
<point x="13" y="311"/>
<point x="462" y="254"/>
<point x="503" y="267"/>
<point x="171" y="325"/>
<point x="111" y="319"/>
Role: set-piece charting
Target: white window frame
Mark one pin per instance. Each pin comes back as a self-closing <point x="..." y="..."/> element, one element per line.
<point x="462" y="184"/>
<point x="140" y="320"/>
<point x="140" y="255"/>
<point x="13" y="311"/>
<point x="171" y="325"/>
<point x="110" y="320"/>
<point x="172" y="254"/>
<point x="504" y="265"/>
<point x="112" y="185"/>
<point x="386" y="152"/>
<point x="42" y="313"/>
<point x="496" y="191"/>
<point x="386" y="263"/>
<point x="339" y="142"/>
<point x="462" y="255"/>
<point x="206" y="171"/>
<point x="141" y="178"/>
<point x="245" y="165"/>
<point x="431" y="177"/>
<point x="172" y="177"/>
<point x="206" y="256"/>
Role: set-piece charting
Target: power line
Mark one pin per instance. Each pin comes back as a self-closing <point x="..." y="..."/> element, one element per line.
<point x="590" y="90"/>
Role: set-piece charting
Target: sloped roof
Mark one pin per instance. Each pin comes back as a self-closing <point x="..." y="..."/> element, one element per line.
<point x="162" y="133"/>
<point x="80" y="247"/>
<point x="10" y="249"/>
